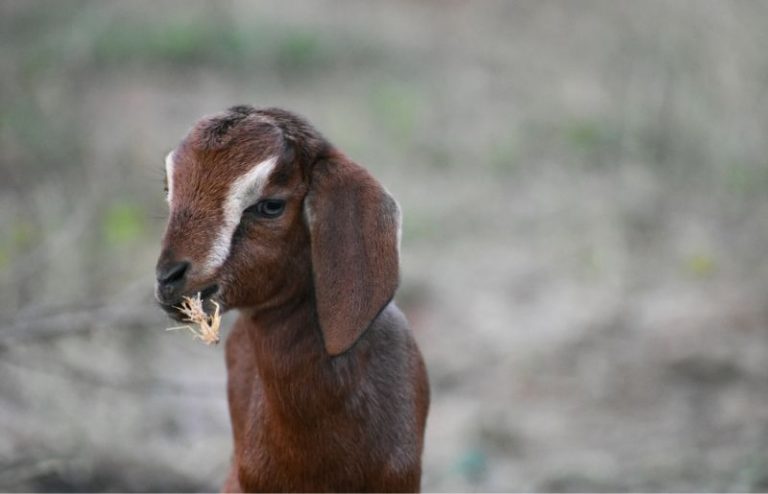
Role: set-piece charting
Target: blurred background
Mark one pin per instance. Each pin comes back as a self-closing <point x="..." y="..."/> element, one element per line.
<point x="585" y="197"/>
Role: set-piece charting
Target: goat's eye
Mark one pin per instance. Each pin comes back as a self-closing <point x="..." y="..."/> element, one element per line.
<point x="268" y="208"/>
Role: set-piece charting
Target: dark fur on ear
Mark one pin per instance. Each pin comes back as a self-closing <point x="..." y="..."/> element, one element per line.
<point x="353" y="224"/>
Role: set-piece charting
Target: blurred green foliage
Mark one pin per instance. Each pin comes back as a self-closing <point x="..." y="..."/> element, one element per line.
<point x="300" y="49"/>
<point x="220" y="42"/>
<point x="747" y="180"/>
<point x="596" y="141"/>
<point x="49" y="143"/>
<point x="397" y="107"/>
<point x="585" y="135"/>
<point x="505" y="155"/>
<point x="23" y="235"/>
<point x="173" y="41"/>
<point x="208" y="37"/>
<point x="19" y="238"/>
<point x="420" y="226"/>
<point x="700" y="265"/>
<point x="123" y="223"/>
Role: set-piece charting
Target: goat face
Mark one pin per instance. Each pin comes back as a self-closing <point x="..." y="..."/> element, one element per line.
<point x="263" y="210"/>
<point x="235" y="231"/>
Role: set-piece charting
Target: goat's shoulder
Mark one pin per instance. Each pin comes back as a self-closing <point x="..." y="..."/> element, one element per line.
<point x="390" y="326"/>
<point x="397" y="392"/>
<point x="394" y="364"/>
<point x="392" y="338"/>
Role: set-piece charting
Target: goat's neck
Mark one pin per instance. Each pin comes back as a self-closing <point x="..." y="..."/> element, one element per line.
<point x="297" y="375"/>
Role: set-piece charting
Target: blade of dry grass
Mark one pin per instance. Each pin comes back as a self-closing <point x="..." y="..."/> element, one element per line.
<point x="208" y="325"/>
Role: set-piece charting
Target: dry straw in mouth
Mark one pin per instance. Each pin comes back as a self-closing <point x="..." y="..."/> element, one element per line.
<point x="208" y="326"/>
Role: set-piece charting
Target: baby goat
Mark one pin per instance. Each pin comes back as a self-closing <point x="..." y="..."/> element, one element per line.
<point x="327" y="389"/>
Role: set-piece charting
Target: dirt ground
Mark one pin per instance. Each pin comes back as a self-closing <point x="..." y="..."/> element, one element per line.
<point x="585" y="198"/>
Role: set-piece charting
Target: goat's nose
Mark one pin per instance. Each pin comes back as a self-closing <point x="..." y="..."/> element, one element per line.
<point x="170" y="278"/>
<point x="172" y="272"/>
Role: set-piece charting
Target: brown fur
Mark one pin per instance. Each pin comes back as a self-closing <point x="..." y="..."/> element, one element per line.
<point x="327" y="389"/>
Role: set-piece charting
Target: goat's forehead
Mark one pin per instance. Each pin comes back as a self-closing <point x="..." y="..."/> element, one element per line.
<point x="210" y="183"/>
<point x="217" y="168"/>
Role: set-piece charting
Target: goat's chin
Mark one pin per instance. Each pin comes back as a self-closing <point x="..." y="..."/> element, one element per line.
<point x="211" y="301"/>
<point x="172" y="311"/>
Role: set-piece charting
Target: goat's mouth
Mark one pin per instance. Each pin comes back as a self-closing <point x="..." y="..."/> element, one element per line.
<point x="206" y="295"/>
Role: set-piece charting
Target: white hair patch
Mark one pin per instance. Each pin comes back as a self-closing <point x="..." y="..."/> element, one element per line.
<point x="169" y="176"/>
<point x="242" y="193"/>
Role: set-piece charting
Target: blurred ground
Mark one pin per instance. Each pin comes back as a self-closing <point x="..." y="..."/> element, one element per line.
<point x="585" y="191"/>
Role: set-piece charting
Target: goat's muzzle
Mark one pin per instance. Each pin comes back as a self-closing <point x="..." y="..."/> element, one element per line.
<point x="171" y="278"/>
<point x="173" y="285"/>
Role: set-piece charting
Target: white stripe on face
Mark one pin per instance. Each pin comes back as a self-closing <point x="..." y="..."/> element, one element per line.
<point x="169" y="176"/>
<point x="242" y="193"/>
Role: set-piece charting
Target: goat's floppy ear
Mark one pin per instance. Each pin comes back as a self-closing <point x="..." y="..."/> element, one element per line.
<point x="354" y="228"/>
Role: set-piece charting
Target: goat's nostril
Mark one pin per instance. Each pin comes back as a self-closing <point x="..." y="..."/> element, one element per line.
<point x="172" y="273"/>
